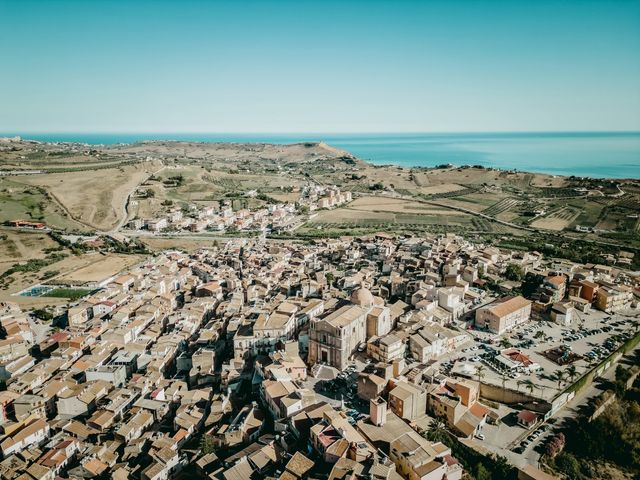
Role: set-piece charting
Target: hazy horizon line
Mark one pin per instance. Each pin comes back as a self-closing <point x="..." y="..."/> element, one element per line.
<point x="310" y="132"/>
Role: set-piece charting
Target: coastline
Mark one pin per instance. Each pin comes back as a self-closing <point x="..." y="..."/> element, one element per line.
<point x="599" y="155"/>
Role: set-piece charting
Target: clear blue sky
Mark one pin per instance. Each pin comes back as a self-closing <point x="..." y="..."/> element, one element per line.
<point x="324" y="66"/>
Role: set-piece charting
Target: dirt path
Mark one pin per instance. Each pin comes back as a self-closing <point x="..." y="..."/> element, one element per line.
<point x="125" y="205"/>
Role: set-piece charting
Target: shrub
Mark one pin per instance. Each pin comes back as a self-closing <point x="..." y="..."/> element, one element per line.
<point x="567" y="464"/>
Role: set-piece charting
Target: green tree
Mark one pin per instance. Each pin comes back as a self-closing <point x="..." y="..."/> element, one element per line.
<point x="514" y="272"/>
<point x="560" y="376"/>
<point x="531" y="283"/>
<point x="207" y="444"/>
<point x="482" y="473"/>
<point x="572" y="372"/>
<point x="42" y="314"/>
<point x="501" y="468"/>
<point x="480" y="369"/>
<point x="437" y="431"/>
<point x="622" y="374"/>
<point x="329" y="277"/>
<point x="529" y="385"/>
<point x="480" y="271"/>
<point x="567" y="464"/>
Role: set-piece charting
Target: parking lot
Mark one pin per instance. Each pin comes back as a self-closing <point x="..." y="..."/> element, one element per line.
<point x="592" y="337"/>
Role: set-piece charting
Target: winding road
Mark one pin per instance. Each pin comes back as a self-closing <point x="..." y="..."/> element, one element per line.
<point x="125" y="205"/>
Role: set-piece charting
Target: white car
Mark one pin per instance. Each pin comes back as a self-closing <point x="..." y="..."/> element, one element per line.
<point x="480" y="436"/>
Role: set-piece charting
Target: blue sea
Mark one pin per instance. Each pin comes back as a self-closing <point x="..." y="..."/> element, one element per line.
<point x="585" y="154"/>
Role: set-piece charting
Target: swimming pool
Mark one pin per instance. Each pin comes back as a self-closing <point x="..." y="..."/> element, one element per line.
<point x="36" y="291"/>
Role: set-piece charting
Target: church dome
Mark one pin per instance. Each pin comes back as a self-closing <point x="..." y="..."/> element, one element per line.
<point x="362" y="297"/>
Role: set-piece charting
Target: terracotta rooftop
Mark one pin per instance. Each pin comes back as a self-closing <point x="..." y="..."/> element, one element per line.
<point x="508" y="305"/>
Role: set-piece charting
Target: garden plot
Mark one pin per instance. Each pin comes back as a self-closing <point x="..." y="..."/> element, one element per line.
<point x="557" y="220"/>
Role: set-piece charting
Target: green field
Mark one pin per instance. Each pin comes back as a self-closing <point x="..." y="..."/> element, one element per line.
<point x="24" y="202"/>
<point x="70" y="293"/>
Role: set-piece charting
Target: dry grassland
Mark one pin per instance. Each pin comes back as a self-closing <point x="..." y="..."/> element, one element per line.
<point x="100" y="268"/>
<point x="94" y="197"/>
<point x="397" y="205"/>
<point x="181" y="243"/>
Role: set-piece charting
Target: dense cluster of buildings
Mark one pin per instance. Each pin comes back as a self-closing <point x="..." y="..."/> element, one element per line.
<point x="569" y="289"/>
<point x="208" y="364"/>
<point x="274" y="217"/>
<point x="321" y="196"/>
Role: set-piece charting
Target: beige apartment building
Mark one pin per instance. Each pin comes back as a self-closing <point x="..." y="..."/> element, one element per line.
<point x="408" y="401"/>
<point x="610" y="299"/>
<point x="504" y="314"/>
<point x="386" y="349"/>
<point x="418" y="459"/>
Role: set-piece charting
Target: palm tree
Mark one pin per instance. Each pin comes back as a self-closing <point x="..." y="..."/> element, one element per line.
<point x="504" y="377"/>
<point x="572" y="372"/>
<point x="480" y="372"/>
<point x="437" y="431"/>
<point x="529" y="385"/>
<point x="541" y="388"/>
<point x="560" y="377"/>
<point x="504" y="342"/>
<point x="520" y="383"/>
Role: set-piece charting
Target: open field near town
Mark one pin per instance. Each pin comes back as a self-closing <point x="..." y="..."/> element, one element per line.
<point x="25" y="202"/>
<point x="92" y="197"/>
<point x="203" y="185"/>
<point x="396" y="205"/>
<point x="442" y="188"/>
<point x="394" y="214"/>
<point x="100" y="268"/>
<point x="17" y="246"/>
<point x="183" y="243"/>
<point x="557" y="220"/>
<point x="95" y="198"/>
<point x="69" y="270"/>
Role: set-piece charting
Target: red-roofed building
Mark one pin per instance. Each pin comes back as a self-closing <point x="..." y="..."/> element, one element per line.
<point x="527" y="418"/>
<point x="60" y="455"/>
<point x="517" y="356"/>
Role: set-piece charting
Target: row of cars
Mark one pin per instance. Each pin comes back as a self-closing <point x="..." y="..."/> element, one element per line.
<point x="608" y="346"/>
<point x="600" y="352"/>
<point x="531" y="328"/>
<point x="532" y="437"/>
<point x="354" y="415"/>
